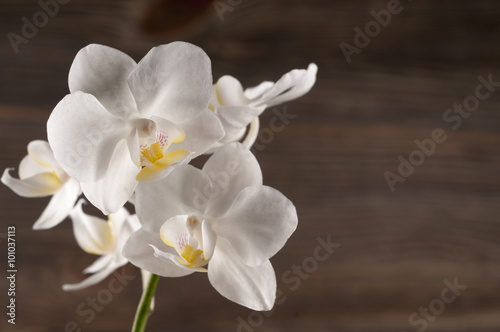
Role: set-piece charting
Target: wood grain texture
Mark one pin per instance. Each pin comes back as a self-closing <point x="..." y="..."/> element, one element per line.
<point x="396" y="248"/>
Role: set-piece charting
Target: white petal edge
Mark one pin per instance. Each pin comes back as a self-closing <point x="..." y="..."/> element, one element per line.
<point x="252" y="287"/>
<point x="231" y="169"/>
<point x="99" y="264"/>
<point x="185" y="191"/>
<point x="111" y="192"/>
<point x="209" y="239"/>
<point x="83" y="136"/>
<point x="292" y="85"/>
<point x="43" y="184"/>
<point x="258" y="224"/>
<point x="201" y="133"/>
<point x="103" y="71"/>
<point x="28" y="167"/>
<point x="229" y="92"/>
<point x="235" y="119"/>
<point x="41" y="153"/>
<point x="92" y="234"/>
<point x="93" y="279"/>
<point x="60" y="206"/>
<point x="257" y="91"/>
<point x="172" y="81"/>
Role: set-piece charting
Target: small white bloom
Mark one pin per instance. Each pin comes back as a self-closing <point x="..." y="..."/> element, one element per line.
<point x="40" y="175"/>
<point x="126" y="122"/>
<point x="221" y="216"/>
<point x="100" y="237"/>
<point x="236" y="108"/>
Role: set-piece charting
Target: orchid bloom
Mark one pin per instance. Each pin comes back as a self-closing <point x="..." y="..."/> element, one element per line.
<point x="125" y="122"/>
<point x="41" y="175"/>
<point x="100" y="237"/>
<point x="237" y="108"/>
<point x="221" y="216"/>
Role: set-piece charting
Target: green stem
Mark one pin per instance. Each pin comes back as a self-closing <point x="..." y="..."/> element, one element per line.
<point x="144" y="308"/>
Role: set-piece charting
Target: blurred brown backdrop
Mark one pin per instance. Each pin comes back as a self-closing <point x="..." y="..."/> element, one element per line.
<point x="395" y="248"/>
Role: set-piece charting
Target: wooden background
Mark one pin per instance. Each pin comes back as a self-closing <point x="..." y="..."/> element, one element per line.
<point x="396" y="248"/>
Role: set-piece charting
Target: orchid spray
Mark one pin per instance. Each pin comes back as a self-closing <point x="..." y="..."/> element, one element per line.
<point x="127" y="132"/>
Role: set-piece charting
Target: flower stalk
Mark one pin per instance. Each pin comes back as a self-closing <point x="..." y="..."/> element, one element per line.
<point x="144" y="308"/>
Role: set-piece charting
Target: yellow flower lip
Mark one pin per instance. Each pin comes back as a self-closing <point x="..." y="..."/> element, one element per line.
<point x="154" y="157"/>
<point x="181" y="234"/>
<point x="153" y="153"/>
<point x="194" y="257"/>
<point x="160" y="163"/>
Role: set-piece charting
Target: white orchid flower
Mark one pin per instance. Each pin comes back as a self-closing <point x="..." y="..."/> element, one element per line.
<point x="125" y="122"/>
<point x="221" y="216"/>
<point x="237" y="108"/>
<point x="40" y="175"/>
<point x="101" y="237"/>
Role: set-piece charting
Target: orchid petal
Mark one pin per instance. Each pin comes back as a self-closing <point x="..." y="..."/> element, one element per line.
<point x="174" y="232"/>
<point x="237" y="116"/>
<point x="209" y="239"/>
<point x="172" y="81"/>
<point x="229" y="92"/>
<point x="99" y="264"/>
<point x="102" y="71"/>
<point x="231" y="169"/>
<point x="258" y="224"/>
<point x="235" y="120"/>
<point x="139" y="252"/>
<point x="146" y="275"/>
<point x="173" y="132"/>
<point x="41" y="153"/>
<point x="93" y="279"/>
<point x="111" y="192"/>
<point x="185" y="191"/>
<point x="83" y="136"/>
<point x="257" y="91"/>
<point x="28" y="167"/>
<point x="93" y="235"/>
<point x="127" y="226"/>
<point x="252" y="287"/>
<point x="60" y="205"/>
<point x="201" y="133"/>
<point x="133" y="147"/>
<point x="39" y="185"/>
<point x="292" y="85"/>
<point x="119" y="222"/>
<point x="134" y="222"/>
